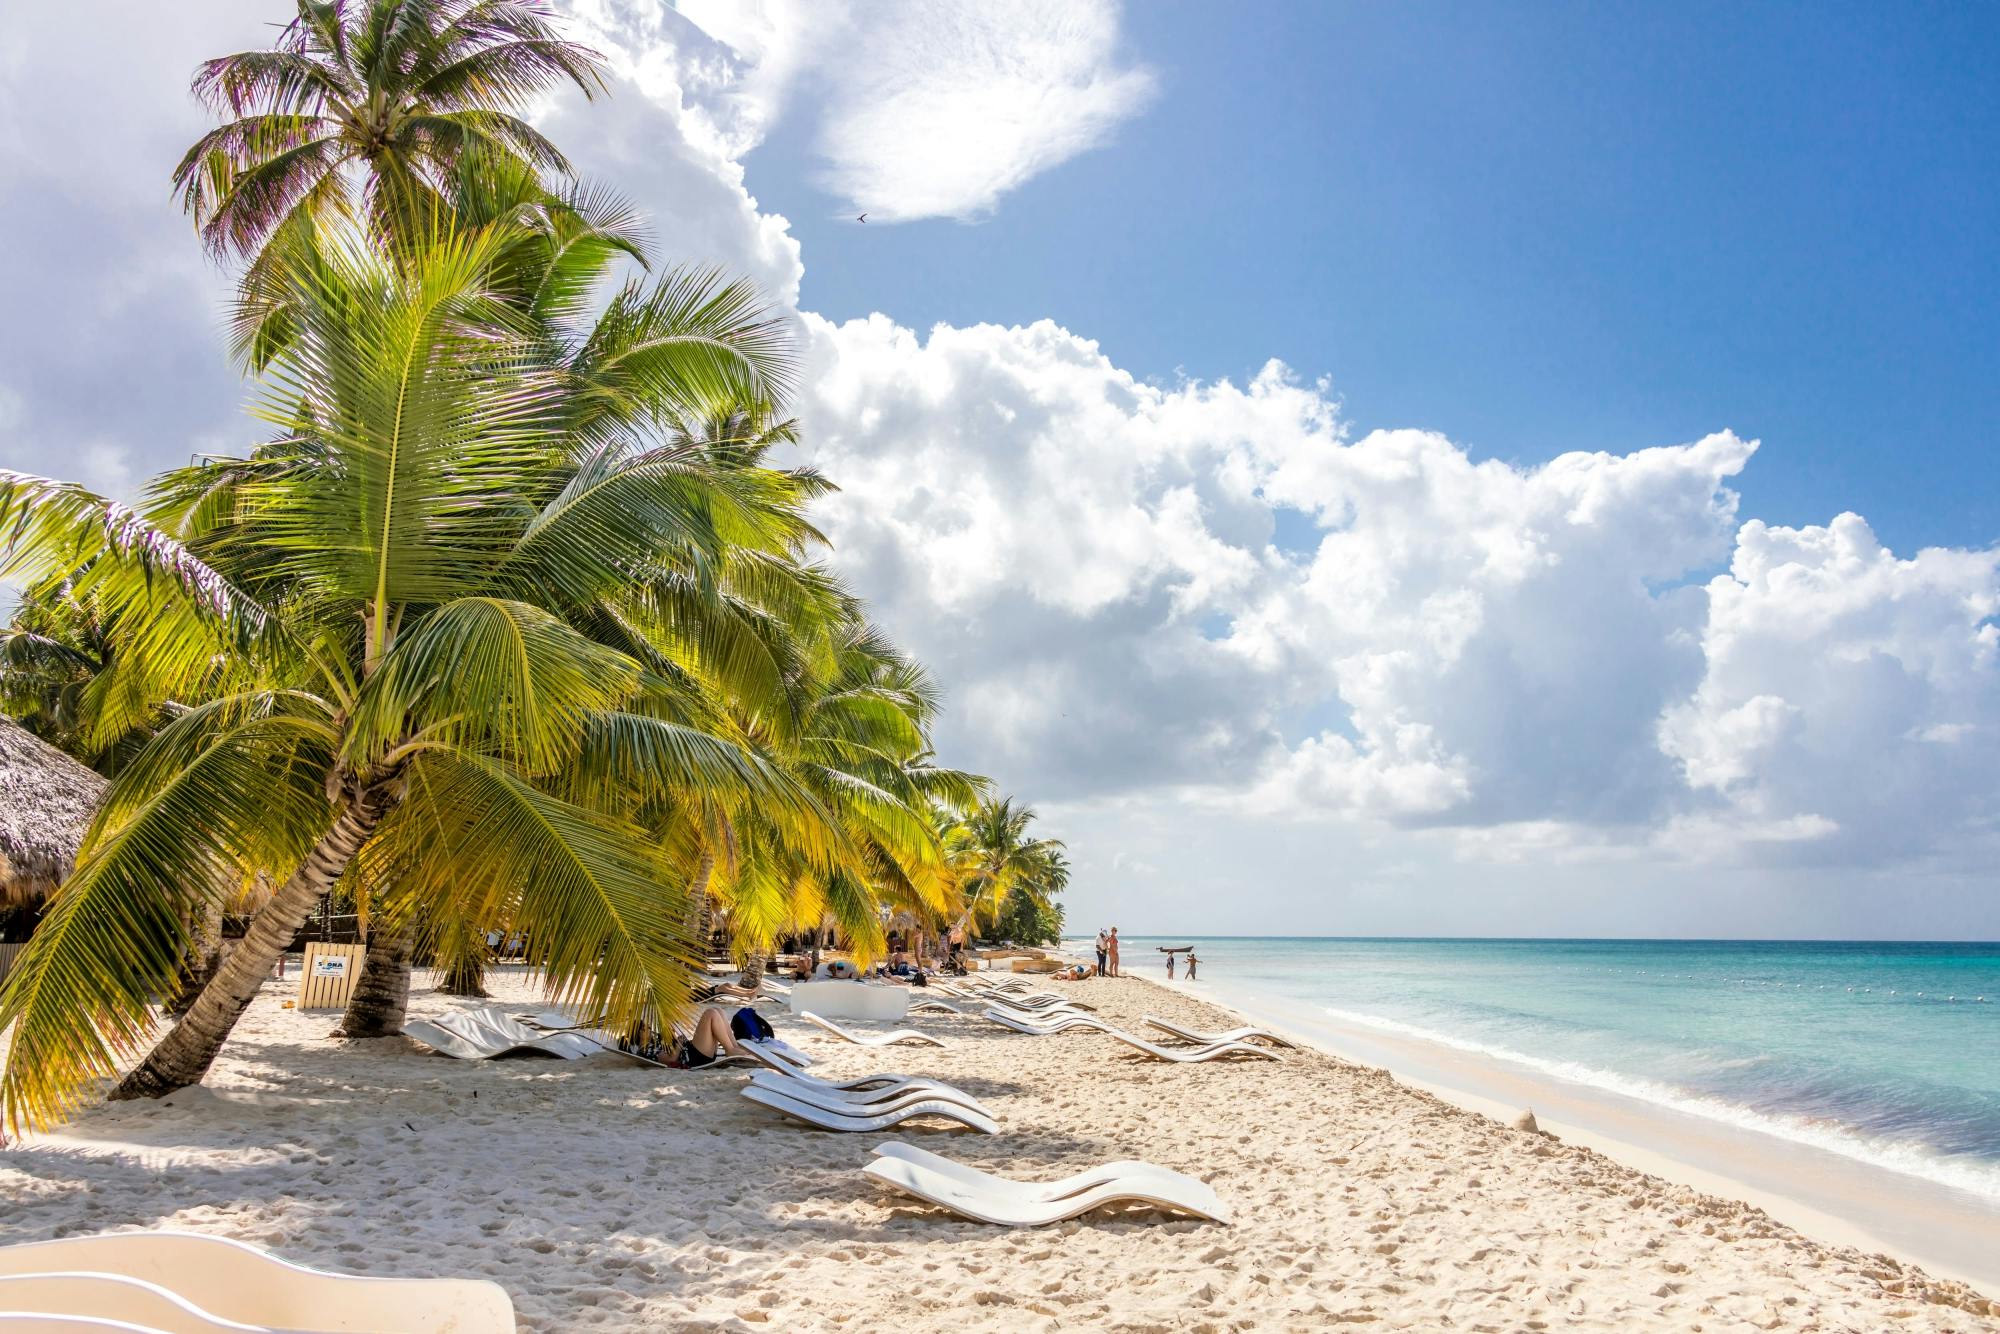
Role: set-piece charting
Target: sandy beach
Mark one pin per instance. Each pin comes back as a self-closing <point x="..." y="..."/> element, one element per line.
<point x="605" y="1195"/>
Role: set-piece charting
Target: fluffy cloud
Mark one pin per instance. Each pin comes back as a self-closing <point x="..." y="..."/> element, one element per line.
<point x="1849" y="698"/>
<point x="931" y="108"/>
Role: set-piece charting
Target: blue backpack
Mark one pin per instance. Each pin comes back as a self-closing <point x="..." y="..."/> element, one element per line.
<point x="749" y="1026"/>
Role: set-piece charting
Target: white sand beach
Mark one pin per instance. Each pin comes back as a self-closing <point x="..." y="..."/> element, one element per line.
<point x="604" y="1195"/>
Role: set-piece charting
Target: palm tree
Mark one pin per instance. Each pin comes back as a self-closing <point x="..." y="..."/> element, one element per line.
<point x="995" y="858"/>
<point x="393" y="613"/>
<point x="367" y="109"/>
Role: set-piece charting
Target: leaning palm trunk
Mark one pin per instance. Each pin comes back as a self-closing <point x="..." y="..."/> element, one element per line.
<point x="381" y="999"/>
<point x="190" y="1047"/>
<point x="753" y="970"/>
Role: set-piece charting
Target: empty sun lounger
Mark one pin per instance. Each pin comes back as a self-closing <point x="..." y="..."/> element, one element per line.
<point x="483" y="1040"/>
<point x="871" y="1039"/>
<point x="1247" y="1033"/>
<point x="863" y="1123"/>
<point x="1179" y="1055"/>
<point x="231" y="1281"/>
<point x="868" y="1102"/>
<point x="997" y="1201"/>
<point x="1075" y="1184"/>
<point x="109" y="1301"/>
<point x="933" y="1004"/>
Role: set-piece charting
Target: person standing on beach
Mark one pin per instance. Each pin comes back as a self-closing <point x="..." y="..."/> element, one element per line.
<point x="1114" y="951"/>
<point x="1191" y="963"/>
<point x="1170" y="965"/>
<point x="1103" y="953"/>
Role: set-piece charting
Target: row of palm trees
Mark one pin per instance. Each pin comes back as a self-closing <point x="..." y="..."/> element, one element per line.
<point x="512" y="622"/>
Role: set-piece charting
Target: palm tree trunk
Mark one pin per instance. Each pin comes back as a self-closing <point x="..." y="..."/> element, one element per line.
<point x="381" y="999"/>
<point x="189" y="1048"/>
<point x="467" y="977"/>
<point x="753" y="970"/>
<point x="203" y="958"/>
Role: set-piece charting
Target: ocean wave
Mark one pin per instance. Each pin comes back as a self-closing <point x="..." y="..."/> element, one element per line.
<point x="1908" y="1159"/>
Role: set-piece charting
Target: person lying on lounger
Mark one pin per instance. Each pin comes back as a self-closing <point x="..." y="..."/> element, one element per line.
<point x="1076" y="972"/>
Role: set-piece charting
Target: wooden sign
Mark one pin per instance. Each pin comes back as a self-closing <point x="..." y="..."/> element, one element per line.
<point x="327" y="980"/>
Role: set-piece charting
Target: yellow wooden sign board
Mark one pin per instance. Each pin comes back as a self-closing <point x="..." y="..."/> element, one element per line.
<point x="327" y="980"/>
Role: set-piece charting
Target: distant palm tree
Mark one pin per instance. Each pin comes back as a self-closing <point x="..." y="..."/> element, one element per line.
<point x="996" y="858"/>
<point x="365" y="110"/>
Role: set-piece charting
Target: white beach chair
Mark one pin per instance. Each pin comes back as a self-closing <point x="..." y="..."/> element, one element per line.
<point x="232" y="1281"/>
<point x="997" y="1201"/>
<point x="1178" y="1055"/>
<point x="1089" y="1179"/>
<point x="470" y="1040"/>
<point x="935" y="1006"/>
<point x="863" y="1123"/>
<point x="871" y="1039"/>
<point x="129" y="1303"/>
<point x="865" y="1101"/>
<point x="1247" y="1033"/>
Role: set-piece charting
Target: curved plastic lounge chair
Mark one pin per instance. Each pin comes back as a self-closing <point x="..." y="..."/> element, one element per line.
<point x="1179" y="1055"/>
<point x="1103" y="1174"/>
<point x="1247" y="1033"/>
<point x="857" y="1122"/>
<point x="32" y="1322"/>
<point x="984" y="1204"/>
<point x="110" y="1297"/>
<point x="932" y="1003"/>
<point x="233" y="1281"/>
<point x="871" y="1039"/>
<point x="1032" y="1012"/>
<point x="865" y="1102"/>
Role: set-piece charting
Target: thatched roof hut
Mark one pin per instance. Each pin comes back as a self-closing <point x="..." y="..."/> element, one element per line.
<point x="46" y="801"/>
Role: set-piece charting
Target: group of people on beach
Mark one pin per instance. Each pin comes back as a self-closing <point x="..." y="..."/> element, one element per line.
<point x="1107" y="952"/>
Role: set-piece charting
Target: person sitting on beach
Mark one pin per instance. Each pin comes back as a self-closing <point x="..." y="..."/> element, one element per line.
<point x="1076" y="972"/>
<point x="710" y="1042"/>
<point x="837" y="970"/>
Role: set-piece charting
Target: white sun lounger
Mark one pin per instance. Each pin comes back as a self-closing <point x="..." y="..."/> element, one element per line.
<point x="863" y="1123"/>
<point x="868" y="1102"/>
<point x="1247" y="1033"/>
<point x="1179" y="1055"/>
<point x="1089" y="1179"/>
<point x="115" y="1300"/>
<point x="986" y="1203"/>
<point x="933" y="1003"/>
<point x="871" y="1039"/>
<point x="480" y="1042"/>
<point x="233" y="1281"/>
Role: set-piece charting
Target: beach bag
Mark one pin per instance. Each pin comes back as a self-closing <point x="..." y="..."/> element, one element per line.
<point x="749" y="1026"/>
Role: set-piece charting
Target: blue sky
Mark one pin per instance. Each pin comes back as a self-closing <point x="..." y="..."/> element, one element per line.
<point x="1297" y="436"/>
<point x="1535" y="228"/>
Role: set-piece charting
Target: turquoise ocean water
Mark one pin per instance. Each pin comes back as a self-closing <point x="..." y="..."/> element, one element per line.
<point x="1885" y="1053"/>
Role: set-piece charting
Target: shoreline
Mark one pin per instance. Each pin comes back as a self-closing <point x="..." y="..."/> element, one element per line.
<point x="1730" y="1161"/>
<point x="605" y="1195"/>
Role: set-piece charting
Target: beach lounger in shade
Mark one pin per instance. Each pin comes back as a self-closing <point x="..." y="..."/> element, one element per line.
<point x="998" y="1201"/>
<point x="233" y="1281"/>
<point x="867" y="1102"/>
<point x="1247" y="1033"/>
<point x="862" y="1123"/>
<point x="1103" y="1174"/>
<point x="1178" y="1055"/>
<point x="871" y="1039"/>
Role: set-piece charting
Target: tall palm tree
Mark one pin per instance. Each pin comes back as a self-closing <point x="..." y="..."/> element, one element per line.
<point x="404" y="588"/>
<point x="365" y="108"/>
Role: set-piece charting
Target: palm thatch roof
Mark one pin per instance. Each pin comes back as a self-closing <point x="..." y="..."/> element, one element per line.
<point x="46" y="801"/>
